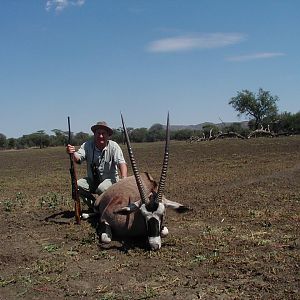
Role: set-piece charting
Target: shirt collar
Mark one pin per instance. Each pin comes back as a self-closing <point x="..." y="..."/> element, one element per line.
<point x="100" y="150"/>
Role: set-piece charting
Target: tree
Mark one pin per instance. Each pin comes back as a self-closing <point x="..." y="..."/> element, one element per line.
<point x="208" y="129"/>
<point x="41" y="139"/>
<point x="138" y="135"/>
<point x="156" y="133"/>
<point x="117" y="135"/>
<point x="61" y="137"/>
<point x="11" y="143"/>
<point x="80" y="138"/>
<point x="260" y="106"/>
<point x="183" y="134"/>
<point x="2" y="140"/>
<point x="288" y="122"/>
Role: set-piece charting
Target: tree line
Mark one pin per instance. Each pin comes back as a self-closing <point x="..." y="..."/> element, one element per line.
<point x="261" y="109"/>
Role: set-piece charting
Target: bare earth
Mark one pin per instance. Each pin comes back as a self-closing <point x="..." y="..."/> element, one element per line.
<point x="240" y="240"/>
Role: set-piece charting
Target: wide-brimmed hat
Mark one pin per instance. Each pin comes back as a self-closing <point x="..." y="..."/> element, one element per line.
<point x="102" y="125"/>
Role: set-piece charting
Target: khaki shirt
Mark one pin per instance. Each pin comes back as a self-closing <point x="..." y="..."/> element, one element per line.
<point x="106" y="160"/>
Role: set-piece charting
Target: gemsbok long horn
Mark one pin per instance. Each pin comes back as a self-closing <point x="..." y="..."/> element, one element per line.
<point x="163" y="175"/>
<point x="134" y="166"/>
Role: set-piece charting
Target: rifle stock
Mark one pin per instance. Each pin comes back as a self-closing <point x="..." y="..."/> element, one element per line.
<point x="75" y="194"/>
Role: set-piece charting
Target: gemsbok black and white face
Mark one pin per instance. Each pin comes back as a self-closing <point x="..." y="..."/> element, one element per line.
<point x="153" y="214"/>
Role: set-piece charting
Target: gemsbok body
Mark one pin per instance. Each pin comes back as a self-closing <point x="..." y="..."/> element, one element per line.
<point x="135" y="206"/>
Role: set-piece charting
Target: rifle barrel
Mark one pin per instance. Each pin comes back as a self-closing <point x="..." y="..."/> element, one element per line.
<point x="75" y="194"/>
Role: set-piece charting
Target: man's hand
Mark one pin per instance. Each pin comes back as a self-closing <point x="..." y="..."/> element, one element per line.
<point x="70" y="149"/>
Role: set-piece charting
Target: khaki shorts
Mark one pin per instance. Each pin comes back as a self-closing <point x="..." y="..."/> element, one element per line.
<point x="88" y="185"/>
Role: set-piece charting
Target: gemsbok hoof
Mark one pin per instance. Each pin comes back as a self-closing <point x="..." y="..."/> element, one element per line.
<point x="105" y="238"/>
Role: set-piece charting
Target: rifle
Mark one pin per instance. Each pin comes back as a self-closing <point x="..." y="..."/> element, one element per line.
<point x="75" y="193"/>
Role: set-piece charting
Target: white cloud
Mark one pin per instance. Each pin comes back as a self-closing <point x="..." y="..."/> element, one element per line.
<point x="190" y="42"/>
<point x="253" y="56"/>
<point x="60" y="5"/>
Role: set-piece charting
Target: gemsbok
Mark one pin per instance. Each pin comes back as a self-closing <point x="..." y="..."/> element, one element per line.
<point x="135" y="206"/>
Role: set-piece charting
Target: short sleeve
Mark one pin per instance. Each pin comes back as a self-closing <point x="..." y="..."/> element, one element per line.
<point x="82" y="152"/>
<point x="118" y="155"/>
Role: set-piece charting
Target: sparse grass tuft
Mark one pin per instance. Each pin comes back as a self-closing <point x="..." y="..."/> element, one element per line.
<point x="50" y="248"/>
<point x="8" y="205"/>
<point x="90" y="239"/>
<point x="51" y="200"/>
<point x="5" y="282"/>
<point x="11" y="204"/>
<point x="149" y="293"/>
<point x="108" y="296"/>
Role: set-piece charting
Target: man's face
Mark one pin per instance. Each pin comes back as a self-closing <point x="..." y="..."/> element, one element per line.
<point x="101" y="137"/>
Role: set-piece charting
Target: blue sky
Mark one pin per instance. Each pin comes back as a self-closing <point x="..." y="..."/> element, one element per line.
<point x="91" y="59"/>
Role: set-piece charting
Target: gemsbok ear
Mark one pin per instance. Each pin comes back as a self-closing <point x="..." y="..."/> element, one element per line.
<point x="178" y="207"/>
<point x="130" y="208"/>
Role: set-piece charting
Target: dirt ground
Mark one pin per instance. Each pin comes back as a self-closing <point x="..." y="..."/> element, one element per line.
<point x="239" y="241"/>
